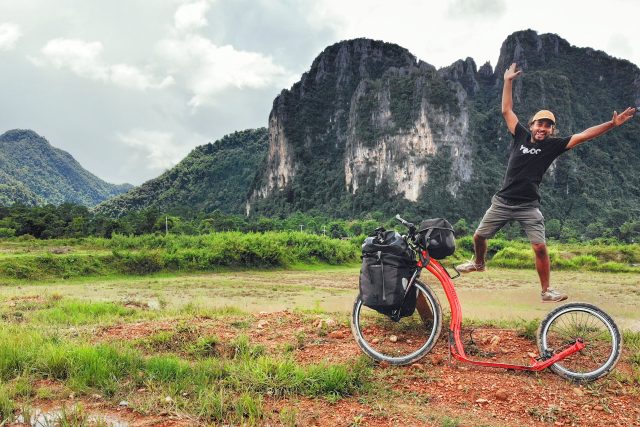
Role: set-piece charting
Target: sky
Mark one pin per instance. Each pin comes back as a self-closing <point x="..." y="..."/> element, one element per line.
<point x="130" y="87"/>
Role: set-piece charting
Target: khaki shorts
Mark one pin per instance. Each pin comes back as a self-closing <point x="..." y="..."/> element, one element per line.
<point x="500" y="213"/>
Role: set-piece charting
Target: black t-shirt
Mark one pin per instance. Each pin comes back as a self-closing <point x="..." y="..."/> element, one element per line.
<point x="528" y="162"/>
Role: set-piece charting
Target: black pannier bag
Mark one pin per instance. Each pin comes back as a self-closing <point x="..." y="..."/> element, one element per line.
<point x="390" y="242"/>
<point x="387" y="267"/>
<point x="437" y="236"/>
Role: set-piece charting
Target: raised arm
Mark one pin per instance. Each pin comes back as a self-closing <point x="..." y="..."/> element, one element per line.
<point x="596" y="131"/>
<point x="507" y="98"/>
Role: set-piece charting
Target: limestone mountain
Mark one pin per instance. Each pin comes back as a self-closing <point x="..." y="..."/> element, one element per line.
<point x="214" y="176"/>
<point x="370" y="123"/>
<point x="32" y="172"/>
<point x="370" y="127"/>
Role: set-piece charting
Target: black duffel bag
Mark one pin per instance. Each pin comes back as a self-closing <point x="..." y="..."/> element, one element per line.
<point x="437" y="237"/>
<point x="388" y="242"/>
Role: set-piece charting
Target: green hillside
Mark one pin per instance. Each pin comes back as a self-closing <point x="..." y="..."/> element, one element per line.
<point x="32" y="172"/>
<point x="214" y="176"/>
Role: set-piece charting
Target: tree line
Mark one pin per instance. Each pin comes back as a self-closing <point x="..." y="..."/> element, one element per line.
<point x="74" y="221"/>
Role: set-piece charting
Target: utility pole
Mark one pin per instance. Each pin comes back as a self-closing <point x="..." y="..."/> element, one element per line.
<point x="324" y="230"/>
<point x="301" y="227"/>
<point x="166" y="225"/>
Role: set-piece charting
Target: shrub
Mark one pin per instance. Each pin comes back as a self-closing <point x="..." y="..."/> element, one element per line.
<point x="149" y="254"/>
<point x="7" y="232"/>
<point x="19" y="269"/>
<point x="143" y="262"/>
<point x="513" y="258"/>
<point x="44" y="266"/>
<point x="465" y="243"/>
<point x="584" y="261"/>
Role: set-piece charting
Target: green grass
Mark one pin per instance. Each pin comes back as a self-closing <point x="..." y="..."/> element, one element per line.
<point x="199" y="311"/>
<point x="149" y="254"/>
<point x="612" y="258"/>
<point x="207" y="346"/>
<point x="289" y="416"/>
<point x="82" y="313"/>
<point x="528" y="329"/>
<point x="153" y="254"/>
<point x="57" y="311"/>
<point x="523" y="257"/>
<point x="449" y="422"/>
<point x="7" y="404"/>
<point x="225" y="387"/>
<point x="631" y="340"/>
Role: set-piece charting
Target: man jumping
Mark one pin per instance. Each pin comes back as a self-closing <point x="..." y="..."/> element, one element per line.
<point x="530" y="154"/>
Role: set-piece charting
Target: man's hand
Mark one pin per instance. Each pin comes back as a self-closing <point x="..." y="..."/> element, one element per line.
<point x="510" y="117"/>
<point x="619" y="119"/>
<point x="596" y="131"/>
<point x="511" y="72"/>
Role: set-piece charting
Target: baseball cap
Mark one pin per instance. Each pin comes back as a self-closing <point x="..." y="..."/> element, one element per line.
<point x="542" y="115"/>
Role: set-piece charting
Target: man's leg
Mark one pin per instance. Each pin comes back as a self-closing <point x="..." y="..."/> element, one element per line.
<point x="479" y="248"/>
<point x="480" y="252"/>
<point x="423" y="309"/>
<point x="543" y="264"/>
<point x="493" y="220"/>
<point x="533" y="224"/>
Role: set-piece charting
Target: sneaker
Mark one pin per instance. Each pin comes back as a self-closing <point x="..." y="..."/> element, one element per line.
<point x="553" y="296"/>
<point x="470" y="266"/>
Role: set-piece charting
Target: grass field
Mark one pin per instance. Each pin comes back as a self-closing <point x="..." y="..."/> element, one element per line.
<point x="498" y="294"/>
<point x="198" y="349"/>
<point x="38" y="260"/>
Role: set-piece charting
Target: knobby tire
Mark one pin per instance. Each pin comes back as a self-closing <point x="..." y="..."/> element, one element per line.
<point x="402" y="342"/>
<point x="569" y="322"/>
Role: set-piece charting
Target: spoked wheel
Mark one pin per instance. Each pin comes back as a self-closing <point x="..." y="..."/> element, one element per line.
<point x="404" y="341"/>
<point x="564" y="325"/>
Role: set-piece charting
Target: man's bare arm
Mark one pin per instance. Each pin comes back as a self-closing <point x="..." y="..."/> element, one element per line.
<point x="596" y="131"/>
<point x="507" y="101"/>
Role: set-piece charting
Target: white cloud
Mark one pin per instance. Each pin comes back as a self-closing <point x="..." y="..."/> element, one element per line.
<point x="619" y="45"/>
<point x="209" y="69"/>
<point x="158" y="148"/>
<point x="131" y="77"/>
<point x="474" y="9"/>
<point x="191" y="16"/>
<point x="9" y="35"/>
<point x="82" y="58"/>
<point x="85" y="60"/>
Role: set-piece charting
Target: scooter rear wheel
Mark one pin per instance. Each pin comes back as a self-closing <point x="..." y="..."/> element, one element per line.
<point x="399" y="342"/>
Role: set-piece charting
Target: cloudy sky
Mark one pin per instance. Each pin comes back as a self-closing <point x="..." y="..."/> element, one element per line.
<point x="129" y="87"/>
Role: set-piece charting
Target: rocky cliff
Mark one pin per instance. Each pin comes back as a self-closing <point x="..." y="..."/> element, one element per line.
<point x="367" y="114"/>
<point x="370" y="127"/>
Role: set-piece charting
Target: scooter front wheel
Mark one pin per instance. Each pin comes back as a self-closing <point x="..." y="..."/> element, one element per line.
<point x="570" y="322"/>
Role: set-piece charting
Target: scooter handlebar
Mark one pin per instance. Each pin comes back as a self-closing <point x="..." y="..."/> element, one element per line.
<point x="409" y="225"/>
